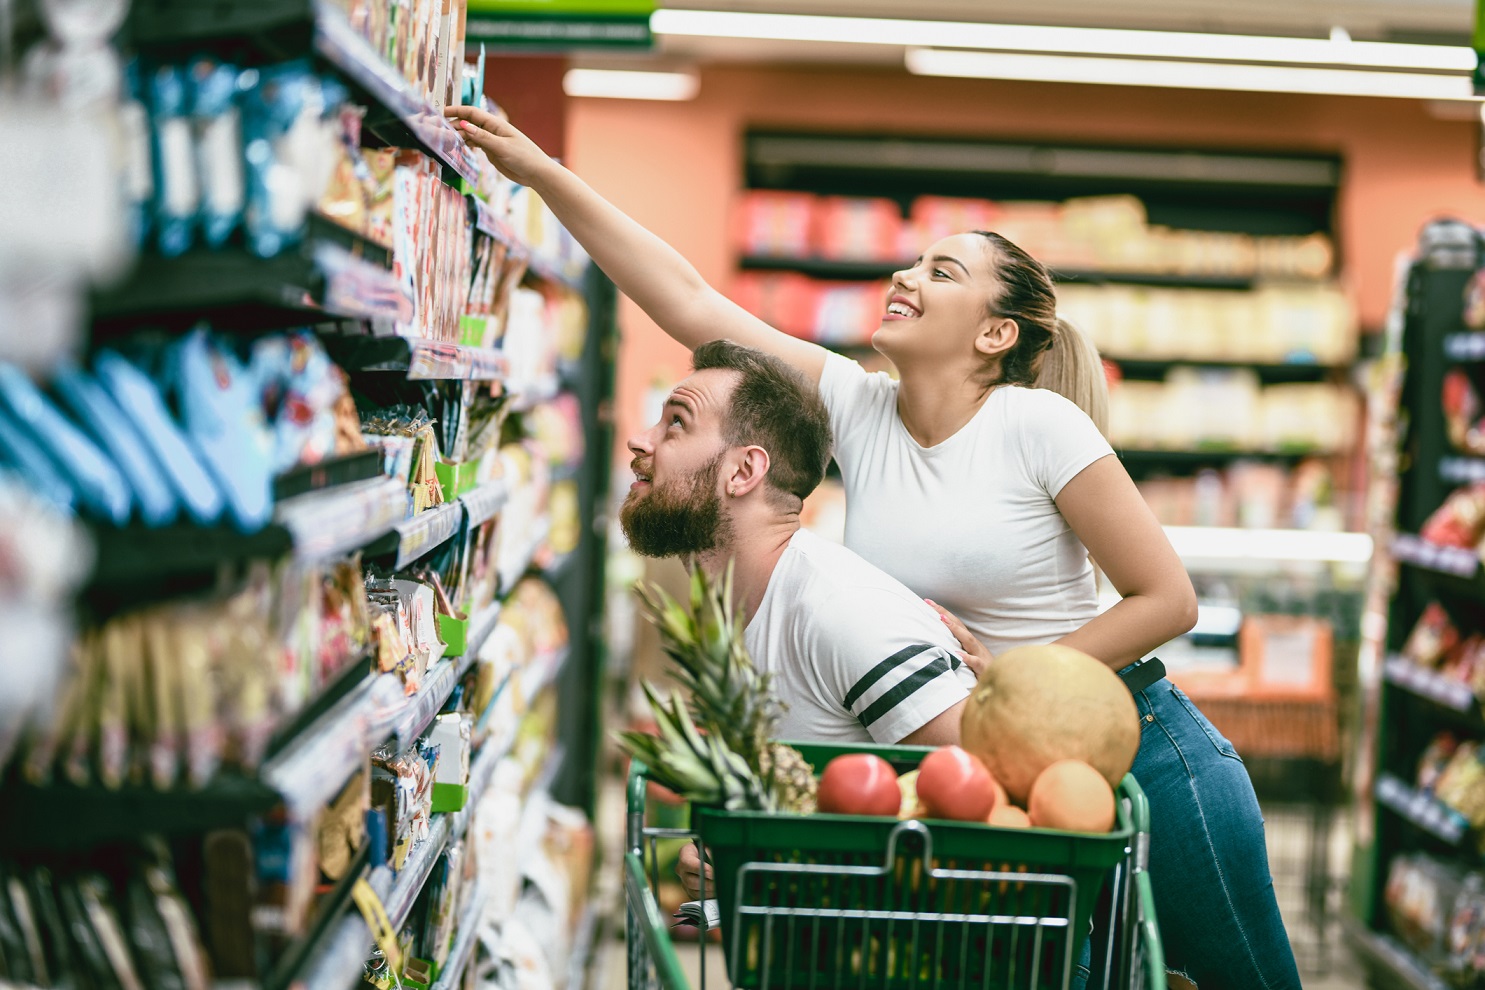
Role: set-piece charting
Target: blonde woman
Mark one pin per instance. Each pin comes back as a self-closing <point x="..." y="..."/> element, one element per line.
<point x="987" y="495"/>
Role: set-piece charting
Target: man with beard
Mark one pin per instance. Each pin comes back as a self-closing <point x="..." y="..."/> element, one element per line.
<point x="855" y="655"/>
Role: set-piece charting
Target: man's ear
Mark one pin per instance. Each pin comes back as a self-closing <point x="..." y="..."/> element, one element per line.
<point x="749" y="469"/>
<point x="997" y="335"/>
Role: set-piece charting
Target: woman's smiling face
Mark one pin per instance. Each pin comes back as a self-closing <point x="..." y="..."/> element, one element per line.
<point x="935" y="309"/>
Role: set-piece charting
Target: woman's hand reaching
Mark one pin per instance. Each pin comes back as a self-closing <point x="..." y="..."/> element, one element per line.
<point x="513" y="153"/>
<point x="975" y="655"/>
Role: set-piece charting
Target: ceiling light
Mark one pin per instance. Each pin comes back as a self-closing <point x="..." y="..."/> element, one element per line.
<point x="1337" y="50"/>
<point x="630" y="84"/>
<point x="1187" y="75"/>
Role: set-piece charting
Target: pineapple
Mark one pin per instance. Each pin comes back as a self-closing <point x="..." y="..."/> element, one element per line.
<point x="719" y="749"/>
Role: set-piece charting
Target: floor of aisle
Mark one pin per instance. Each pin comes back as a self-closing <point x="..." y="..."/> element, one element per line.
<point x="1312" y="900"/>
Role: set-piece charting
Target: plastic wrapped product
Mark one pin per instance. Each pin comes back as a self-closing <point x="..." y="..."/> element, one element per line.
<point x="222" y="416"/>
<point x="141" y="401"/>
<point x="99" y="486"/>
<point x="101" y="417"/>
<point x="138" y="176"/>
<point x="177" y="195"/>
<point x="23" y="461"/>
<point x="289" y="147"/>
<point x="216" y="124"/>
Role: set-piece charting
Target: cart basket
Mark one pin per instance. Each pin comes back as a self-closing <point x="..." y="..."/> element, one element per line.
<point x="870" y="902"/>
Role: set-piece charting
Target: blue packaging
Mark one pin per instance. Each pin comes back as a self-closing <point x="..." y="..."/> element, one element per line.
<point x="97" y="413"/>
<point x="140" y="399"/>
<point x="283" y="111"/>
<point x="99" y="487"/>
<point x="34" y="469"/>
<point x="221" y="415"/>
<point x="177" y="192"/>
<point x="216" y="125"/>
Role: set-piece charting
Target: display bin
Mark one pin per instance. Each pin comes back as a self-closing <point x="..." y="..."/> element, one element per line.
<point x="830" y="900"/>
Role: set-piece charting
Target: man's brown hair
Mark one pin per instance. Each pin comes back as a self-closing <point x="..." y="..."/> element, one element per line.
<point x="774" y="407"/>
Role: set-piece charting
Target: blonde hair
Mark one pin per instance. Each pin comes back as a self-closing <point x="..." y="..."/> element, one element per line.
<point x="1072" y="368"/>
<point x="1049" y="352"/>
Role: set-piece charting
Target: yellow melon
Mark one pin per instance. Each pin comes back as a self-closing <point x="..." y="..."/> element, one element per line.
<point x="1035" y="705"/>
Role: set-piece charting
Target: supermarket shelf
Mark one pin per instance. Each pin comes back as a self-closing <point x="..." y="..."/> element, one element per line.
<point x="537" y="266"/>
<point x="480" y="627"/>
<point x="309" y="773"/>
<point x="1301" y="368"/>
<point x="1462" y="470"/>
<point x="1422" y="810"/>
<point x="329" y="909"/>
<point x="418" y="535"/>
<point x="363" y="465"/>
<point x="1446" y="692"/>
<point x="1212" y="544"/>
<point x="1465" y="347"/>
<point x="329" y="524"/>
<point x="865" y="271"/>
<point x="316" y="280"/>
<point x="485" y="502"/>
<point x="134" y="558"/>
<point x="415" y="871"/>
<point x="438" y="684"/>
<point x="418" y="359"/>
<point x="338" y="43"/>
<point x="1452" y="561"/>
<point x="1137" y="457"/>
<point x="464" y="940"/>
<point x="512" y="569"/>
<point x="1385" y="955"/>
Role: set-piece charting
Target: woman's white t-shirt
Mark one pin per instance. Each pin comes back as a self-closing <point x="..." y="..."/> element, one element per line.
<point x="970" y="522"/>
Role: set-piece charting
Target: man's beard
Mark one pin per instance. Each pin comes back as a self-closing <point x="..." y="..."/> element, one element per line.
<point x="685" y="517"/>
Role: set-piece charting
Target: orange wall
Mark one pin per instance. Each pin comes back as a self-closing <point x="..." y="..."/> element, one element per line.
<point x="676" y="166"/>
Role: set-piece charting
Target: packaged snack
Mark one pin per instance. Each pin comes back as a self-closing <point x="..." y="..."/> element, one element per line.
<point x="1460" y="521"/>
<point x="290" y="152"/>
<point x="1462" y="411"/>
<point x="96" y="411"/>
<point x="140" y="399"/>
<point x="216" y="123"/>
<point x="223" y="418"/>
<point x="99" y="487"/>
<point x="177" y="195"/>
<point x="23" y="462"/>
<point x="1433" y="636"/>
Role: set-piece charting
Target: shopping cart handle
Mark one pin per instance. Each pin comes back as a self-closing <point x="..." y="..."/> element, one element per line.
<point x="1139" y="805"/>
<point x="639" y="779"/>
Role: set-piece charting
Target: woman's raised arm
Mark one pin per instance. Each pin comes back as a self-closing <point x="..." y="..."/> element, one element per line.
<point x="1104" y="508"/>
<point x="646" y="269"/>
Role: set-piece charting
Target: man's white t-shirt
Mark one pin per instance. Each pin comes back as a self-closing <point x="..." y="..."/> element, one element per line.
<point x="969" y="523"/>
<point x="855" y="655"/>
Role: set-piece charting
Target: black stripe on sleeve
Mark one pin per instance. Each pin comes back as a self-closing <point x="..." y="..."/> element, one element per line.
<point x="903" y="688"/>
<point x="882" y="670"/>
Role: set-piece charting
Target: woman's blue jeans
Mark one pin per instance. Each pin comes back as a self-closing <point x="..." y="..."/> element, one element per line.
<point x="1214" y="896"/>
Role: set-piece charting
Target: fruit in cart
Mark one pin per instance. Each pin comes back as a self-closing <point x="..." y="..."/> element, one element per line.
<point x="954" y="784"/>
<point x="1009" y="816"/>
<point x="1072" y="796"/>
<point x="1036" y="705"/>
<point x="859" y="784"/>
<point x="717" y="748"/>
<point x="907" y="786"/>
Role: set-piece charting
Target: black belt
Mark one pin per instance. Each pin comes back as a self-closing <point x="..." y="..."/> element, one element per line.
<point x="1138" y="676"/>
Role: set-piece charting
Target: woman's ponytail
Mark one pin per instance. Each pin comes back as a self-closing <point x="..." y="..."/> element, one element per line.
<point x="1072" y="368"/>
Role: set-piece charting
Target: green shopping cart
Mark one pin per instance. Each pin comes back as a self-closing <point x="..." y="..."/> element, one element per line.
<point x="826" y="901"/>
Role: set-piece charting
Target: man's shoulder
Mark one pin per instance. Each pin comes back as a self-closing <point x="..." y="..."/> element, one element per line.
<point x="831" y="587"/>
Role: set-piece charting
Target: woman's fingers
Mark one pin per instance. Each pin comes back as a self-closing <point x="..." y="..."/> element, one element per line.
<point x="975" y="655"/>
<point x="478" y="116"/>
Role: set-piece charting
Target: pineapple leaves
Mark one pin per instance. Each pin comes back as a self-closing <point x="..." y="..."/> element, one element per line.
<point x="716" y="747"/>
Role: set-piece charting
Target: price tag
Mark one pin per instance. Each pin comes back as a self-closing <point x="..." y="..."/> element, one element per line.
<point x="375" y="913"/>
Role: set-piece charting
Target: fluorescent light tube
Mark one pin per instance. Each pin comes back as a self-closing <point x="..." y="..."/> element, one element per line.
<point x="630" y="84"/>
<point x="1337" y="50"/>
<point x="1187" y="75"/>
